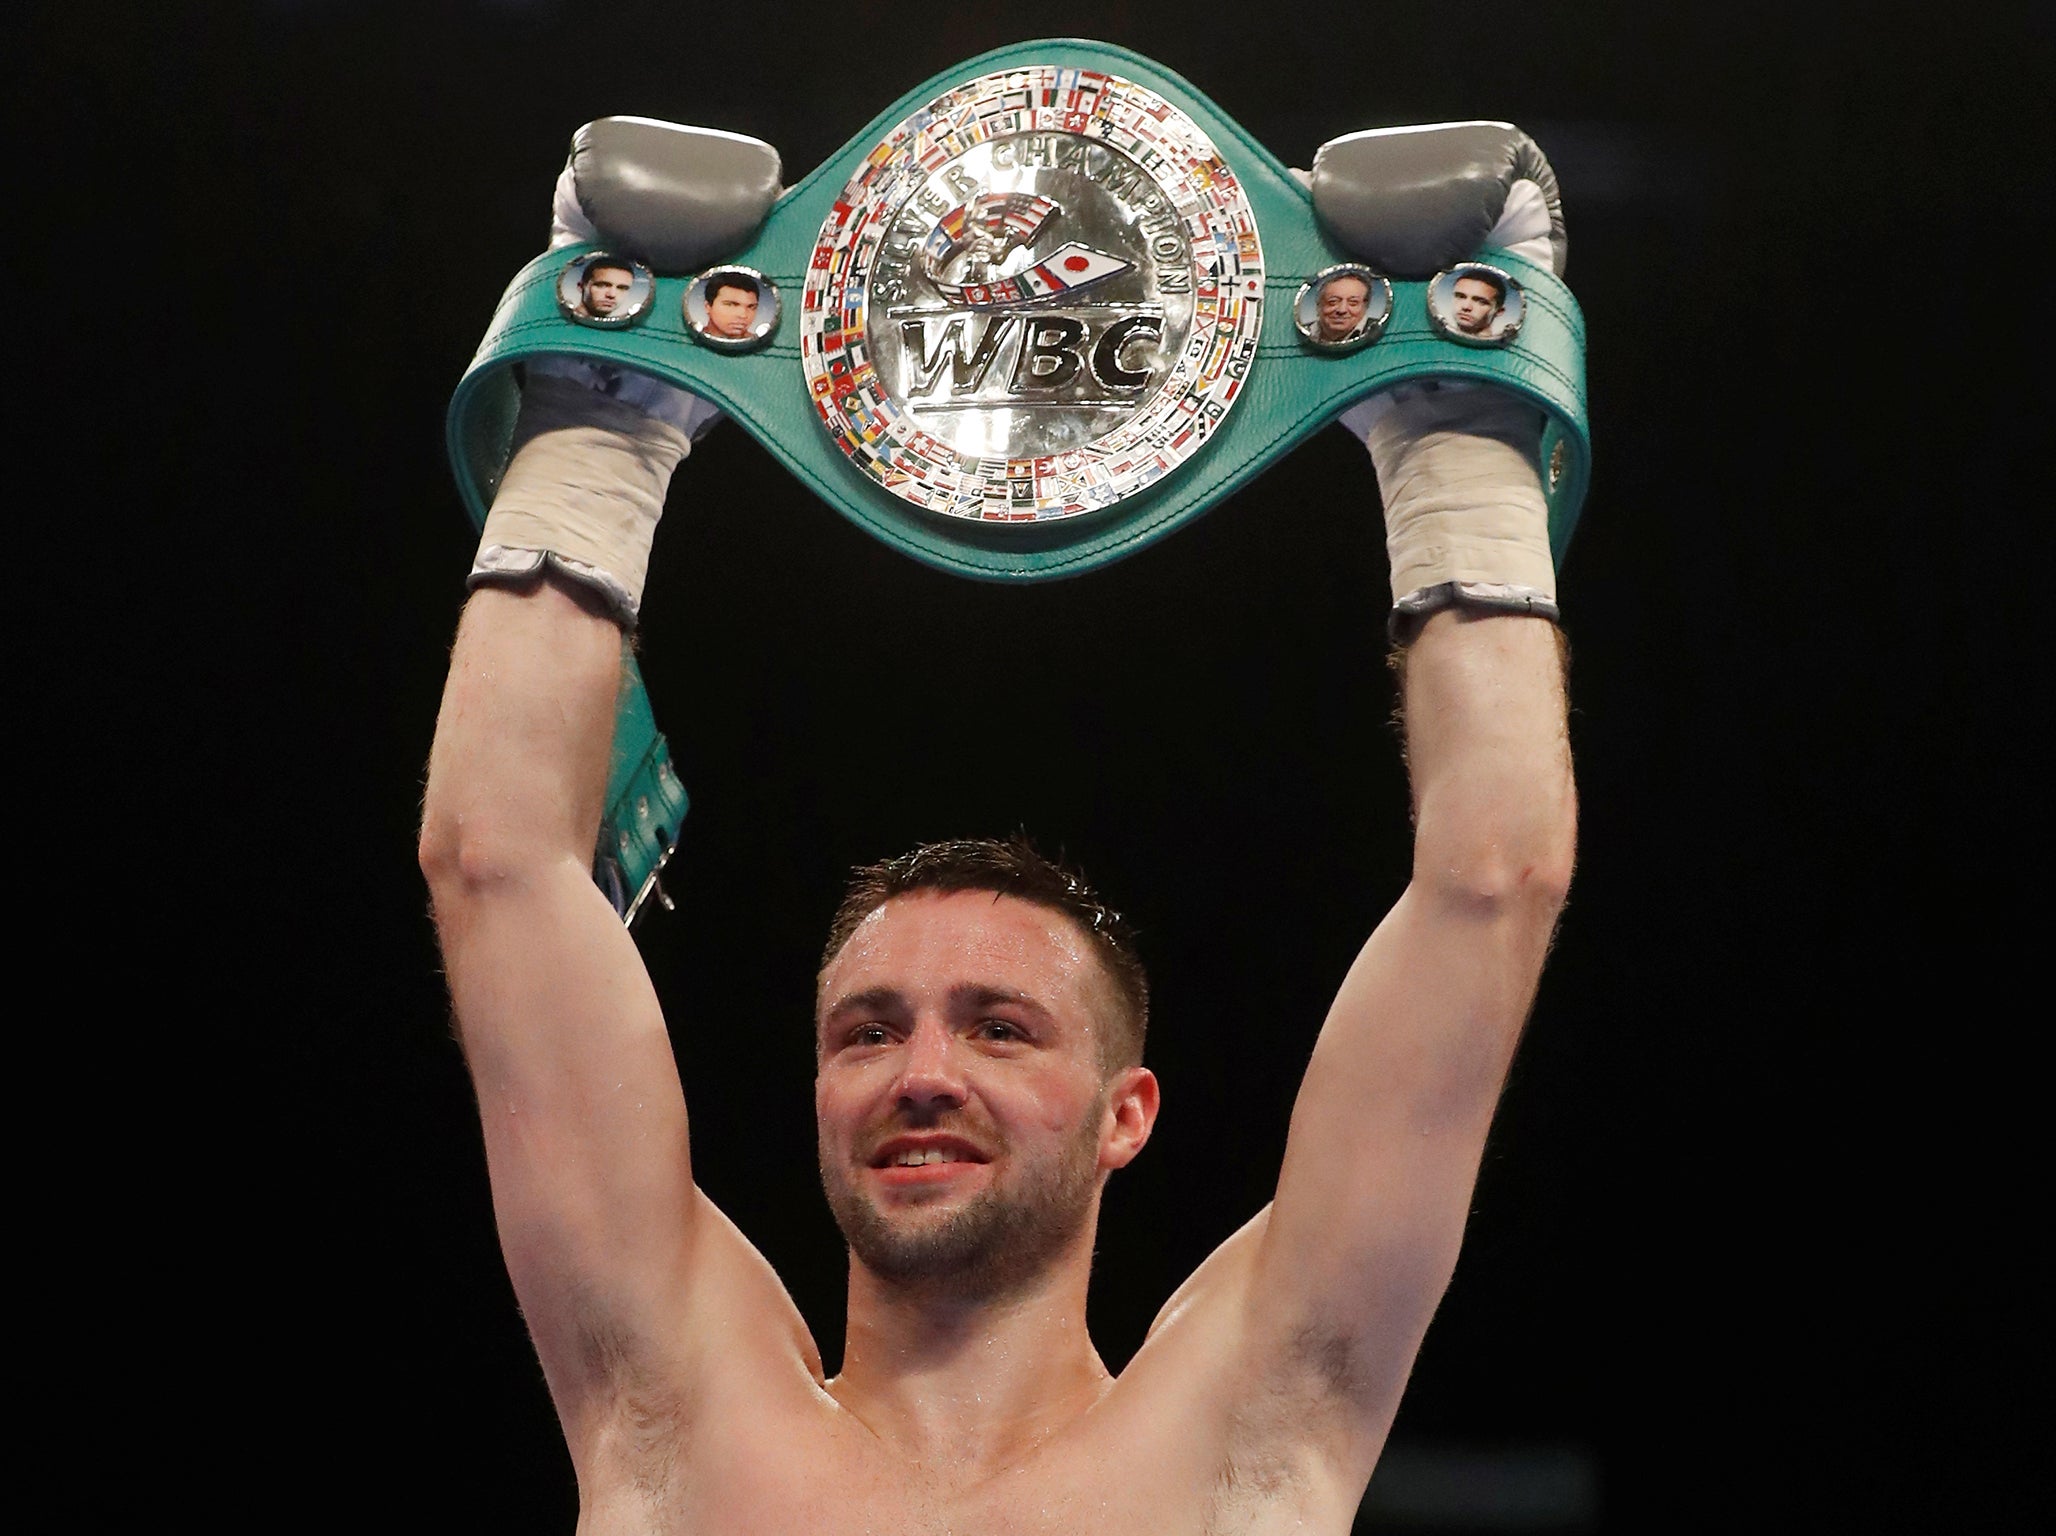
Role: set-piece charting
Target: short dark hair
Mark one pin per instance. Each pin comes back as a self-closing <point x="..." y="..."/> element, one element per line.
<point x="1485" y="276"/>
<point x="719" y="280"/>
<point x="1011" y="868"/>
<point x="601" y="264"/>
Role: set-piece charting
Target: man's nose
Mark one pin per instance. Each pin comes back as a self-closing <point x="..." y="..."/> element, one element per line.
<point x="930" y="1076"/>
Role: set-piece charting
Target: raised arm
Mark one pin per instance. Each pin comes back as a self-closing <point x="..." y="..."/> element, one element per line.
<point x="615" y="1256"/>
<point x="578" y="1093"/>
<point x="1391" y="1119"/>
<point x="1340" y="1278"/>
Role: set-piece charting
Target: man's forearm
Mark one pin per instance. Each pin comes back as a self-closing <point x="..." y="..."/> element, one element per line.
<point x="519" y="769"/>
<point x="1489" y="753"/>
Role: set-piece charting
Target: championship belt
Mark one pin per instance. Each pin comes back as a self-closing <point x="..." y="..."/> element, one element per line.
<point x="1045" y="309"/>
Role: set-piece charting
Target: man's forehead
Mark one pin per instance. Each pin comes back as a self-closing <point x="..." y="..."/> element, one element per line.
<point x="933" y="937"/>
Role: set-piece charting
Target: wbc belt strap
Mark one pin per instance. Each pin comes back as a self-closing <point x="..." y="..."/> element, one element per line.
<point x="1044" y="309"/>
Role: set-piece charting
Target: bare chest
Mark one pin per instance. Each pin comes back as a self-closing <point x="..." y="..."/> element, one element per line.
<point x="827" y="1481"/>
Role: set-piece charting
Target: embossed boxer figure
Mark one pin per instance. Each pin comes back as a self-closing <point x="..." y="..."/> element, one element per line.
<point x="979" y="1023"/>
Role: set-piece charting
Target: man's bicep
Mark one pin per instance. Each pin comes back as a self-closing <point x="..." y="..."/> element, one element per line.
<point x="1389" y="1128"/>
<point x="583" y="1115"/>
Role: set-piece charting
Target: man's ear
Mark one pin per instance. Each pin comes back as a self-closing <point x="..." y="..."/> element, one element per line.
<point x="1131" y="1115"/>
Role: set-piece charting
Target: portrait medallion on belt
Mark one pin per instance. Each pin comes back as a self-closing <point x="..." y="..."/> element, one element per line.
<point x="1040" y="295"/>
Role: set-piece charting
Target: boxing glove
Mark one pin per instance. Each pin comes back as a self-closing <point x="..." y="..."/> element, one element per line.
<point x="1458" y="464"/>
<point x="595" y="445"/>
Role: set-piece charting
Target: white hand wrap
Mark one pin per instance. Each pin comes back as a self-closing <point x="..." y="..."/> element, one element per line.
<point x="582" y="493"/>
<point x="595" y="445"/>
<point x="1465" y="518"/>
<point x="1459" y="467"/>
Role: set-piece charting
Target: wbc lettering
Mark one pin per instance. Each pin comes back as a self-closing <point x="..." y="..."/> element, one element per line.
<point x="1050" y="358"/>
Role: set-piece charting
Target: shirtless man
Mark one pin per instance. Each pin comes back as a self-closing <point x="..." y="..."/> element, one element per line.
<point x="970" y="1398"/>
<point x="978" y="1079"/>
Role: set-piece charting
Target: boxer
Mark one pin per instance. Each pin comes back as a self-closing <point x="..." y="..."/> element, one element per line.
<point x="1478" y="302"/>
<point x="605" y="288"/>
<point x="979" y="1024"/>
<point x="731" y="305"/>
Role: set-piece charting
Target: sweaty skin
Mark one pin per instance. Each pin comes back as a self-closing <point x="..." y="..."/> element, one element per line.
<point x="971" y="1401"/>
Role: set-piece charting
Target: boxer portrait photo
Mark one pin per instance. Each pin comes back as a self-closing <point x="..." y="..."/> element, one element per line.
<point x="1343" y="307"/>
<point x="732" y="307"/>
<point x="603" y="290"/>
<point x="1476" y="304"/>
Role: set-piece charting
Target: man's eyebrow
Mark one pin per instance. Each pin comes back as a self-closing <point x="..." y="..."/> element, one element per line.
<point x="973" y="995"/>
<point x="964" y="995"/>
<point x="870" y="1000"/>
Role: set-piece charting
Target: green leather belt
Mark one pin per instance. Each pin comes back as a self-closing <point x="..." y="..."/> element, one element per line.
<point x="1290" y="391"/>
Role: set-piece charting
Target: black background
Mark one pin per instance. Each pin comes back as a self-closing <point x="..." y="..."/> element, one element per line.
<point x="1745" y="1232"/>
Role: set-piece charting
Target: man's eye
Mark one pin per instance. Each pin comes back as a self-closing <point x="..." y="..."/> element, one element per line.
<point x="869" y="1034"/>
<point x="997" y="1029"/>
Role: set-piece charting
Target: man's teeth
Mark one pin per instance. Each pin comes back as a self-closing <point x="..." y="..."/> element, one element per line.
<point x="930" y="1155"/>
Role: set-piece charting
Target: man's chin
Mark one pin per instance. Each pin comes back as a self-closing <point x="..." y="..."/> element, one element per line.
<point x="980" y="1246"/>
<point x="925" y="1244"/>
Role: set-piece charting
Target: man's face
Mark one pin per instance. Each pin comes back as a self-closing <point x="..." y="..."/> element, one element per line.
<point x="962" y="1111"/>
<point x="1477" y="305"/>
<point x="606" y="289"/>
<point x="731" y="312"/>
<point x="1342" y="301"/>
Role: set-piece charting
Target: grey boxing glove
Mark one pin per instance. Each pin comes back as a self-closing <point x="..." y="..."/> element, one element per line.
<point x="1459" y="464"/>
<point x="595" y="445"/>
<point x="1412" y="200"/>
<point x="674" y="197"/>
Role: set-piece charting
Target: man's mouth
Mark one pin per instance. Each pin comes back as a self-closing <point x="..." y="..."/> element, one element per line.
<point x="925" y="1152"/>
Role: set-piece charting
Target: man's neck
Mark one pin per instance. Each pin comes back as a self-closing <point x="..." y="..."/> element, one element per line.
<point x="964" y="1387"/>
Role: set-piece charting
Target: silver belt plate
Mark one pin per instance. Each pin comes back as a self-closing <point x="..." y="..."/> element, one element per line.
<point x="1039" y="295"/>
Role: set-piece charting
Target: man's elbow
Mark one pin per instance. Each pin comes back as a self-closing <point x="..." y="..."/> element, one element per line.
<point x="473" y="855"/>
<point x="1518" y="867"/>
<point x="451" y="864"/>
